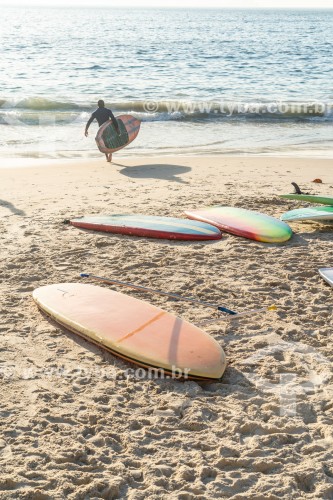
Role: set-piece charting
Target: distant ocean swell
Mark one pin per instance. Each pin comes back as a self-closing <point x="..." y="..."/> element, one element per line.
<point x="33" y="111"/>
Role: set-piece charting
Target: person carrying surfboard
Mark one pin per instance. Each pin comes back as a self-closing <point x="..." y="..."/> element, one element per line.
<point x="102" y="115"/>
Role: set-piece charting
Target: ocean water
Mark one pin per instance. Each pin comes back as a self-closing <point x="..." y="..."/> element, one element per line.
<point x="202" y="81"/>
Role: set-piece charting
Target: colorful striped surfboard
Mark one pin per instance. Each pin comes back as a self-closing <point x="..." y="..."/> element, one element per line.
<point x="150" y="226"/>
<point x="107" y="139"/>
<point x="133" y="329"/>
<point x="252" y="225"/>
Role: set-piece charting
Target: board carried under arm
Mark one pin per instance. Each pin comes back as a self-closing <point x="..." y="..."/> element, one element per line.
<point x="108" y="140"/>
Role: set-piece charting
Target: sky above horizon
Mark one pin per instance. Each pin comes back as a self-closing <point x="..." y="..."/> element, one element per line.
<point x="301" y="4"/>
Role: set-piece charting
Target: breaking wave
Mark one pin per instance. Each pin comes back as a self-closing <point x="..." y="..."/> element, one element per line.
<point x="32" y="108"/>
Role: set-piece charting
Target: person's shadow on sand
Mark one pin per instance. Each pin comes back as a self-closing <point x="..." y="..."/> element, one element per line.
<point x="156" y="171"/>
<point x="11" y="207"/>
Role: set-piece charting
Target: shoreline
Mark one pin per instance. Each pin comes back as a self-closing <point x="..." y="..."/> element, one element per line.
<point x="30" y="162"/>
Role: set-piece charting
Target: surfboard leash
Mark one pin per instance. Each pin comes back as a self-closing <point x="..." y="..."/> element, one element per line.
<point x="232" y="314"/>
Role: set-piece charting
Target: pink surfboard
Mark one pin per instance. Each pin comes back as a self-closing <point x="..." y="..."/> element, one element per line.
<point x="107" y="139"/>
<point x="133" y="329"/>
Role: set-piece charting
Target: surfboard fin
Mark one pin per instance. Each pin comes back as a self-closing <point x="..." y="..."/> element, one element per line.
<point x="297" y="188"/>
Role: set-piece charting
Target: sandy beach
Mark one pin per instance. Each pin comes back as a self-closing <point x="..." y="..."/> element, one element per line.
<point x="75" y="425"/>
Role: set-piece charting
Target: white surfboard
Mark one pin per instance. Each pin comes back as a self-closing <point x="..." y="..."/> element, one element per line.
<point x="311" y="213"/>
<point x="327" y="274"/>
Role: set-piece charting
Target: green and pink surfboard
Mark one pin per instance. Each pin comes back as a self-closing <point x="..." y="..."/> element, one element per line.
<point x="246" y="223"/>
